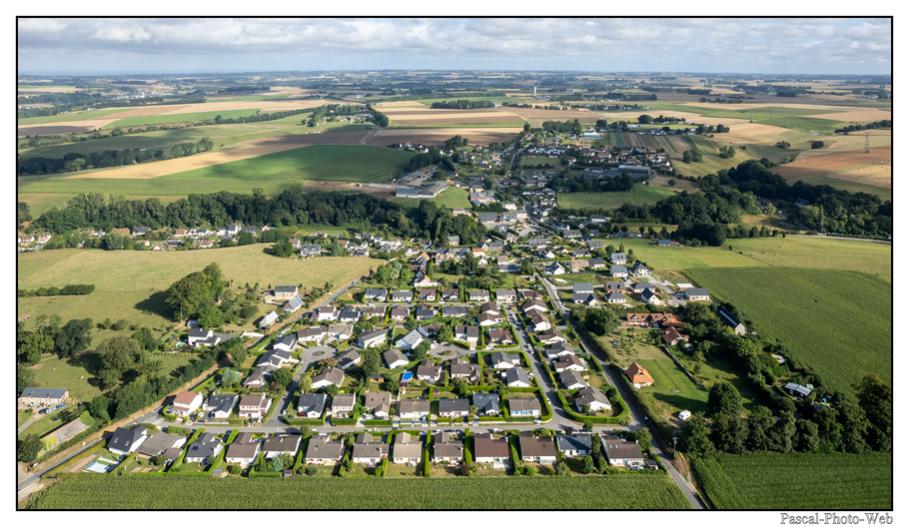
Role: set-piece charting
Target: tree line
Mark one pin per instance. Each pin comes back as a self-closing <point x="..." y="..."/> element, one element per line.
<point x="885" y="123"/>
<point x="291" y="207"/>
<point x="462" y="104"/>
<point x="75" y="161"/>
<point x="67" y="290"/>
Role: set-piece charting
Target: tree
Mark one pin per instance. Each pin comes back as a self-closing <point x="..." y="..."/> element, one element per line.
<point x="31" y="345"/>
<point x="282" y="248"/>
<point x="98" y="407"/>
<point x="118" y="356"/>
<point x="587" y="466"/>
<point x="73" y="337"/>
<point x="730" y="433"/>
<point x="855" y="426"/>
<point x="600" y="320"/>
<point x="194" y="292"/>
<point x="561" y="469"/>
<point x="282" y="377"/>
<point x="876" y="399"/>
<point x="28" y="448"/>
<point x="25" y="377"/>
<point x="371" y="362"/>
<point x="724" y="400"/>
<point x="696" y="437"/>
<point x="759" y="424"/>
<point x="145" y="339"/>
<point x="806" y="436"/>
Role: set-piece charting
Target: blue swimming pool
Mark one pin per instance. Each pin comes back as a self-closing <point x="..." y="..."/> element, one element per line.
<point x="407" y="376"/>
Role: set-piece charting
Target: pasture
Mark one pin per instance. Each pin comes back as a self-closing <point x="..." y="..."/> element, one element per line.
<point x="818" y="252"/>
<point x="797" y="481"/>
<point x="638" y="195"/>
<point x="672" y="390"/>
<point x="129" y="284"/>
<point x="838" y="323"/>
<point x="682" y="257"/>
<point x="54" y="372"/>
<point x="271" y="172"/>
<point x="617" y="491"/>
<point x="452" y="198"/>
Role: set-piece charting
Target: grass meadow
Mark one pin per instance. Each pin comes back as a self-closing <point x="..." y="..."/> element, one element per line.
<point x="638" y="195"/>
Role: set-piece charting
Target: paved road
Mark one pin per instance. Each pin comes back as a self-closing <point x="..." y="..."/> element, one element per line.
<point x="638" y="416"/>
<point x="33" y="478"/>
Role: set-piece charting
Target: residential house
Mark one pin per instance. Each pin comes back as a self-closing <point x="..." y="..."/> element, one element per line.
<point x="349" y="314"/>
<point x="671" y="336"/>
<point x="638" y="376"/>
<point x="41" y="397"/>
<point x="798" y="390"/>
<point x="349" y="359"/>
<point x="243" y="451"/>
<point x="375" y="294"/>
<point x="650" y="297"/>
<point x="287" y="343"/>
<point x="408" y="449"/>
<point x="574" y="445"/>
<point x="500" y="337"/>
<point x="293" y="305"/>
<point x="429" y="372"/>
<point x="377" y="403"/>
<point x="524" y="407"/>
<point x="447" y="447"/>
<point x="268" y="320"/>
<point x="618" y="271"/>
<point x="254" y="406"/>
<point x="569" y="362"/>
<point x="281" y="445"/>
<point x="697" y="294"/>
<point x="465" y="371"/>
<point x="489" y="449"/>
<point x="339" y="332"/>
<point x="204" y="449"/>
<point x="571" y="380"/>
<point x="310" y="250"/>
<point x="325" y="314"/>
<point x="404" y="295"/>
<point x="373" y="312"/>
<point x="323" y="450"/>
<point x="468" y="334"/>
<point x="372" y="339"/>
<point x="369" y="450"/>
<point x="615" y="298"/>
<point x="539" y="323"/>
<point x="504" y="361"/>
<point x="618" y="258"/>
<point x="285" y="292"/>
<point x="328" y="377"/>
<point x="311" y="405"/>
<point x="506" y="296"/>
<point x="536" y="449"/>
<point x="550" y="338"/>
<point x="186" y="403"/>
<point x="728" y="319"/>
<point x="424" y="313"/>
<point x="427" y="295"/>
<point x="127" y="440"/>
<point x="220" y="406"/>
<point x="451" y="295"/>
<point x="413" y="408"/>
<point x="398" y="313"/>
<point x="554" y="269"/>
<point x="394" y="359"/>
<point x="639" y="270"/>
<point x="410" y="341"/>
<point x="486" y="403"/>
<point x="454" y="311"/>
<point x="591" y="401"/>
<point x="621" y="452"/>
<point x="487" y="319"/>
<point x="274" y="358"/>
<point x="342" y="405"/>
<point x="557" y="350"/>
<point x="258" y="378"/>
<point x="454" y="408"/>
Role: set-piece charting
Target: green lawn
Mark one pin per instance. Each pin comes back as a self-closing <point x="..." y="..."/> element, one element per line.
<point x="672" y="390"/>
<point x="836" y="322"/>
<point x="128" y="284"/>
<point x="797" y="481"/>
<point x="53" y="372"/>
<point x="452" y="198"/>
<point x="682" y="257"/>
<point x="620" y="491"/>
<point x="272" y="172"/>
<point x="638" y="195"/>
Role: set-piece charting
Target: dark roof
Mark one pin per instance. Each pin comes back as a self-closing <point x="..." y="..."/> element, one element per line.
<point x="124" y="438"/>
<point x="44" y="393"/>
<point x="454" y="405"/>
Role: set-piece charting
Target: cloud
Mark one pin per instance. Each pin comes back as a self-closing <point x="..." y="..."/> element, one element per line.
<point x="736" y="45"/>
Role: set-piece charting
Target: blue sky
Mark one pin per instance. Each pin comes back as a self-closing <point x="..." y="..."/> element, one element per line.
<point x="74" y="46"/>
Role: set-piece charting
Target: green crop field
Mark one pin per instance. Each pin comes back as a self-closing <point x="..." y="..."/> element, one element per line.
<point x="452" y="198"/>
<point x="682" y="257"/>
<point x="271" y="172"/>
<point x="146" y="120"/>
<point x="128" y="284"/>
<point x="793" y="118"/>
<point x="819" y="252"/>
<point x="797" y="481"/>
<point x="621" y="491"/>
<point x="638" y="195"/>
<point x="836" y="322"/>
<point x="82" y="115"/>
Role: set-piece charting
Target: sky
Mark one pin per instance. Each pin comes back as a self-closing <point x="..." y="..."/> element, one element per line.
<point x="222" y="45"/>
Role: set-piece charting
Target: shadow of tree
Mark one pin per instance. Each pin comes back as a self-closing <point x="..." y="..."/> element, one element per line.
<point x="155" y="305"/>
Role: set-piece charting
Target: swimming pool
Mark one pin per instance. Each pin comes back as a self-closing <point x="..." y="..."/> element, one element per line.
<point x="407" y="376"/>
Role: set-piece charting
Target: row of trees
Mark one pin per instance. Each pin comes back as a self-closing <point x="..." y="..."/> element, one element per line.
<point x="291" y="207"/>
<point x="75" y="161"/>
<point x="462" y="104"/>
<point x="572" y="181"/>
<point x="67" y="290"/>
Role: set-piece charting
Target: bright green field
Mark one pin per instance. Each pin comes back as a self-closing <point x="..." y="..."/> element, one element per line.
<point x="682" y="257"/>
<point x="797" y="481"/>
<point x="82" y="115"/>
<point x="627" y="491"/>
<point x="638" y="195"/>
<point x="836" y="322"/>
<point x="272" y="172"/>
<point x="128" y="283"/>
<point x="793" y="118"/>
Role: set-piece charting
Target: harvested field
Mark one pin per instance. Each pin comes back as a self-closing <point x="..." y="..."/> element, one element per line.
<point x="871" y="168"/>
<point x="245" y="150"/>
<point x="744" y="133"/>
<point x="23" y="131"/>
<point x="536" y="116"/>
<point x="481" y="136"/>
<point x="858" y="115"/>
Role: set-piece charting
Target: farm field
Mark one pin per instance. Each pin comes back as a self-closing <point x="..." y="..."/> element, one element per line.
<point x="272" y="172"/>
<point x="836" y="322"/>
<point x="435" y="136"/>
<point x="866" y="169"/>
<point x="623" y="491"/>
<point x="682" y="257"/>
<point x="413" y="114"/>
<point x="819" y="252"/>
<point x="638" y="195"/>
<point x="797" y="481"/>
<point x="129" y="283"/>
